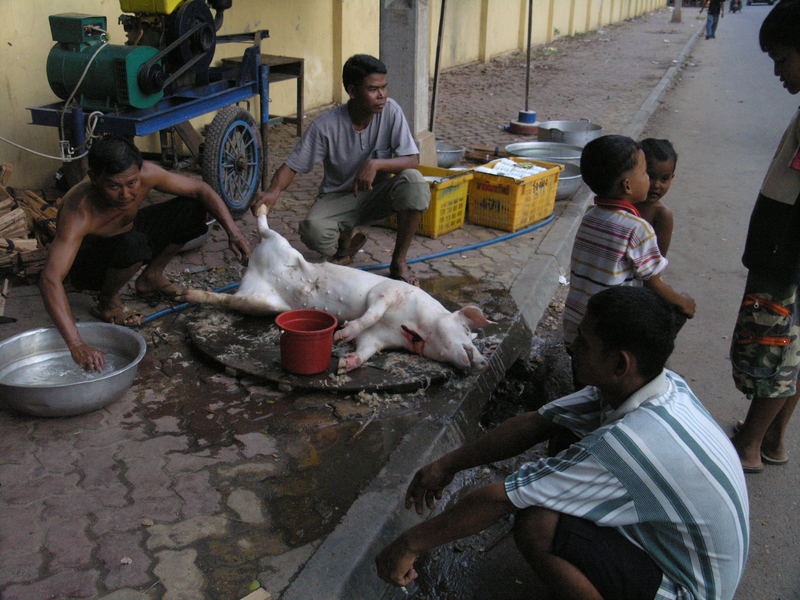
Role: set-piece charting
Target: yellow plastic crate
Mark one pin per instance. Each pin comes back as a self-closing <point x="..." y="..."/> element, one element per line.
<point x="161" y="7"/>
<point x="511" y="204"/>
<point x="448" y="202"/>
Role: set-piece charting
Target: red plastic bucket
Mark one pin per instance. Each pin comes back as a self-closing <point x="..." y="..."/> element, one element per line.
<point x="306" y="340"/>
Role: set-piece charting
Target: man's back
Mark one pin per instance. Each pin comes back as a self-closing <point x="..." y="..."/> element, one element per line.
<point x="660" y="470"/>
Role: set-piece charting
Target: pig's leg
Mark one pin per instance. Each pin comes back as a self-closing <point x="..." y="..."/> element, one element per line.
<point x="366" y="346"/>
<point x="377" y="308"/>
<point x="251" y="305"/>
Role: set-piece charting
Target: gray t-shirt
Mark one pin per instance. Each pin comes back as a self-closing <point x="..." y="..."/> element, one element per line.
<point x="332" y="139"/>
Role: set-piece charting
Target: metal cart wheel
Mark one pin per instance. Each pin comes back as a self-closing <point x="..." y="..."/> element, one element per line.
<point x="232" y="157"/>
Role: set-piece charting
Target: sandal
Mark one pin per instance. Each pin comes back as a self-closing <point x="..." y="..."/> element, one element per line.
<point x="119" y="316"/>
<point x="771" y="460"/>
<point x="345" y="257"/>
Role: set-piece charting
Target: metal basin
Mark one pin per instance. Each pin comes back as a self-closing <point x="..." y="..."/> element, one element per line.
<point x="38" y="376"/>
<point x="547" y="151"/>
<point x="568" y="182"/>
<point x="579" y="132"/>
<point x="448" y="154"/>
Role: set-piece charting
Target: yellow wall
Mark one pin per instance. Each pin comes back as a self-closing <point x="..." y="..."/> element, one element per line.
<point x="324" y="32"/>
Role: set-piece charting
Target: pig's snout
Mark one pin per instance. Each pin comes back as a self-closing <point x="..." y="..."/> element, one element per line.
<point x="476" y="359"/>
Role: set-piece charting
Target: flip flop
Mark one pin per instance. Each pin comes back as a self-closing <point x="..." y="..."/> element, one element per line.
<point x="752" y="470"/>
<point x="770" y="460"/>
<point x="345" y="257"/>
<point x="118" y="316"/>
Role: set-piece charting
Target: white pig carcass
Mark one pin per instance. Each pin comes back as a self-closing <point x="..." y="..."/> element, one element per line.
<point x="377" y="312"/>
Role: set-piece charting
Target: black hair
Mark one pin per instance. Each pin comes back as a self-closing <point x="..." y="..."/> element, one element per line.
<point x="781" y="27"/>
<point x="113" y="154"/>
<point x="358" y="67"/>
<point x="660" y="150"/>
<point x="605" y="159"/>
<point x="637" y="320"/>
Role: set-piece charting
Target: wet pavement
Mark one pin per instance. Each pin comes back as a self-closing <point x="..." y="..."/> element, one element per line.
<point x="203" y="479"/>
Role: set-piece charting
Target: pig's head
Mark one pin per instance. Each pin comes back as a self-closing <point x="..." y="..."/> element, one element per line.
<point x="449" y="339"/>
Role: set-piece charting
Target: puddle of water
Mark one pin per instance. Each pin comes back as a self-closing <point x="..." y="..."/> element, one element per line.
<point x="308" y="503"/>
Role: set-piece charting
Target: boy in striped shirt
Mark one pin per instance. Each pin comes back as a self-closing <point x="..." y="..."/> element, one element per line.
<point x="650" y="501"/>
<point x="614" y="244"/>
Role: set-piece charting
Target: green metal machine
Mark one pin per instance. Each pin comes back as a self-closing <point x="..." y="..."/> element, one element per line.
<point x="111" y="79"/>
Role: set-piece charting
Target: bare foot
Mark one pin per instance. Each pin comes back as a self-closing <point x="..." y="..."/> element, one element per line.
<point x="114" y="311"/>
<point x="149" y="285"/>
<point x="403" y="273"/>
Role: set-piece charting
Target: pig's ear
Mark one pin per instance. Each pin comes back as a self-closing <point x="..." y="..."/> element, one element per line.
<point x="473" y="317"/>
<point x="415" y="340"/>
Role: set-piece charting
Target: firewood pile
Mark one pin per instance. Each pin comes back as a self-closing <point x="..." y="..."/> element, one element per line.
<point x="27" y="226"/>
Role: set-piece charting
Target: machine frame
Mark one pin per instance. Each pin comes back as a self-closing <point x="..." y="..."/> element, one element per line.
<point x="228" y="85"/>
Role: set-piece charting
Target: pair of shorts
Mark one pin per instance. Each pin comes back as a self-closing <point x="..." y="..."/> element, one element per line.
<point x="614" y="565"/>
<point x="336" y="212"/>
<point x="765" y="348"/>
<point x="155" y="227"/>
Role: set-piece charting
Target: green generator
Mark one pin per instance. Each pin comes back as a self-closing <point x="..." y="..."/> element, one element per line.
<point x="112" y="78"/>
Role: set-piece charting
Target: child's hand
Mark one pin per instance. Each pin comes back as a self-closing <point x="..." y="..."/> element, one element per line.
<point x="687" y="305"/>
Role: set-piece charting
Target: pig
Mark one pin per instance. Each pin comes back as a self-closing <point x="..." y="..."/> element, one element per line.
<point x="377" y="312"/>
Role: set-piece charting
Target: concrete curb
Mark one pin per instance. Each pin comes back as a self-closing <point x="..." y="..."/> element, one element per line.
<point x="342" y="567"/>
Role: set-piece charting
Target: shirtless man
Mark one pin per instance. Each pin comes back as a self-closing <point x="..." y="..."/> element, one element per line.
<point x="104" y="236"/>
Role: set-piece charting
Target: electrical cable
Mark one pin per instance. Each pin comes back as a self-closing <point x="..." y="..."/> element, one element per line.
<point x="502" y="238"/>
<point x="91" y="124"/>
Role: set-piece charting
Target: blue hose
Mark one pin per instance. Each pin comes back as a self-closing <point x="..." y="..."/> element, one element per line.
<point x="502" y="238"/>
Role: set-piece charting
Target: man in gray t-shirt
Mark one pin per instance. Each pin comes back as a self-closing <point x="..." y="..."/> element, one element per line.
<point x="361" y="144"/>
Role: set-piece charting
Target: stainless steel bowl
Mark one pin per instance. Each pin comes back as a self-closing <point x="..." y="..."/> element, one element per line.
<point x="547" y="151"/>
<point x="38" y="376"/>
<point x="448" y="154"/>
<point x="568" y="181"/>
<point x="579" y="132"/>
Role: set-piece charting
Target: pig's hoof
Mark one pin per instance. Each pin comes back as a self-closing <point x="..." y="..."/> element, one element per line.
<point x="347" y="363"/>
<point x="345" y="334"/>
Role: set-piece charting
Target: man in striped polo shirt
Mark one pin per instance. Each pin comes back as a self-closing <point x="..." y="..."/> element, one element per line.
<point x="648" y="502"/>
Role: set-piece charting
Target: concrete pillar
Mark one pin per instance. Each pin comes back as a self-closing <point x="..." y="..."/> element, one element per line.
<point x="404" y="47"/>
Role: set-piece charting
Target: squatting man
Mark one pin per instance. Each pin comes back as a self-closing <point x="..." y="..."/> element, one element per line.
<point x="649" y="501"/>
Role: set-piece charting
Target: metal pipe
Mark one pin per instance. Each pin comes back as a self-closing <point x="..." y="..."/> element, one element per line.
<point x="439" y="38"/>
<point x="528" y="64"/>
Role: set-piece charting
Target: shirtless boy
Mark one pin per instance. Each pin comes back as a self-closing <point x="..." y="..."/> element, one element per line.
<point x="104" y="236"/>
<point x="661" y="161"/>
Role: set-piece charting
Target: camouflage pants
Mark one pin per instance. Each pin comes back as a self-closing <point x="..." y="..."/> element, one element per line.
<point x="765" y="350"/>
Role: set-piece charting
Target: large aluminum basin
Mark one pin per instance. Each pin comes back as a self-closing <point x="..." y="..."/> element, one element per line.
<point x="38" y="376"/>
<point x="547" y="152"/>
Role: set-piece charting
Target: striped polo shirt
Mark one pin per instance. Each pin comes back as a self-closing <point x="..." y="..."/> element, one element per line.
<point x="612" y="247"/>
<point x="660" y="470"/>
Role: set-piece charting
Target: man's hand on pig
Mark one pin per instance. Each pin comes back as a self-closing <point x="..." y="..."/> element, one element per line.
<point x="268" y="199"/>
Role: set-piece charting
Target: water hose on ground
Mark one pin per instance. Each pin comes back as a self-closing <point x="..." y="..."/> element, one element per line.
<point x="502" y="238"/>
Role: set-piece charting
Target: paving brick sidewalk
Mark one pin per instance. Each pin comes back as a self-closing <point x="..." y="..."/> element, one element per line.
<point x="196" y="483"/>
